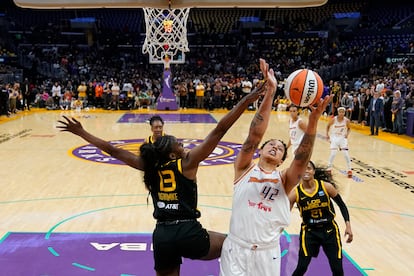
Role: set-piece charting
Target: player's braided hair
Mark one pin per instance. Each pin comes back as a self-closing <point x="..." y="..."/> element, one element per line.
<point x="155" y="155"/>
<point x="321" y="173"/>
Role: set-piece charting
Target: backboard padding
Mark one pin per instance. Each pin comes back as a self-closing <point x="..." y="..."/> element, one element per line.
<point x="164" y="4"/>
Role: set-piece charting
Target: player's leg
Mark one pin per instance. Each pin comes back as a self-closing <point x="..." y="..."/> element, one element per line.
<point x="216" y="244"/>
<point x="332" y="246"/>
<point x="345" y="150"/>
<point x="302" y="265"/>
<point x="167" y="260"/>
<point x="235" y="259"/>
<point x="309" y="247"/>
<point x="334" y="151"/>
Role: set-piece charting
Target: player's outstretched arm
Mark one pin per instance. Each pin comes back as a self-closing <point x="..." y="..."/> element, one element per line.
<point x="74" y="126"/>
<point x="304" y="152"/>
<point x="259" y="123"/>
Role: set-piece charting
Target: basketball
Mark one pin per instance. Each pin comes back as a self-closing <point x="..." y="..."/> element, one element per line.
<point x="304" y="87"/>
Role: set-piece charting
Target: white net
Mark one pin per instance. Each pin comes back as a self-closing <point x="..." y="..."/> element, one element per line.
<point x="166" y="35"/>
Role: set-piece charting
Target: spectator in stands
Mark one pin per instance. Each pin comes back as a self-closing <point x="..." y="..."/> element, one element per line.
<point x="346" y="102"/>
<point x="183" y="94"/>
<point x="336" y="91"/>
<point x="388" y="99"/>
<point x="143" y="100"/>
<point x="191" y="95"/>
<point x="374" y="111"/>
<point x="76" y="105"/>
<point x="409" y="99"/>
<point x="90" y="94"/>
<point x="66" y="100"/>
<point x="356" y="106"/>
<point x="43" y="98"/>
<point x="357" y="84"/>
<point x="99" y="94"/>
<point x="115" y="91"/>
<point x="200" y="91"/>
<point x="26" y="89"/>
<point x="247" y="85"/>
<point x="81" y="91"/>
<point x="70" y="87"/>
<point x="366" y="97"/>
<point x="4" y="99"/>
<point x="230" y="100"/>
<point x="107" y="94"/>
<point x="56" y="93"/>
<point x="217" y="93"/>
<point x="208" y="97"/>
<point x="50" y="104"/>
<point x="379" y="85"/>
<point x="14" y="94"/>
<point x="397" y="110"/>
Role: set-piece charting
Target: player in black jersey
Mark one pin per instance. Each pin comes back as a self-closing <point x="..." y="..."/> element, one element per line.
<point x="313" y="197"/>
<point x="170" y="176"/>
<point x="157" y="129"/>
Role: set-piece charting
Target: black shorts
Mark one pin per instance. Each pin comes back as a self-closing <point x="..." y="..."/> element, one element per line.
<point x="172" y="241"/>
<point x="327" y="237"/>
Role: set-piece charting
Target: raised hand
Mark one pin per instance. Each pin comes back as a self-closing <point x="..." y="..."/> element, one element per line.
<point x="259" y="90"/>
<point x="320" y="107"/>
<point x="71" y="125"/>
<point x="268" y="74"/>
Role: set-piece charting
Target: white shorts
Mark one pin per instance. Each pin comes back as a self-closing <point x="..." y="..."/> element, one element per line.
<point x="339" y="142"/>
<point x="243" y="259"/>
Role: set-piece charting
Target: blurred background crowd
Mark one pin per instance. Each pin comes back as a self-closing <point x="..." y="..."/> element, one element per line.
<point x="56" y="59"/>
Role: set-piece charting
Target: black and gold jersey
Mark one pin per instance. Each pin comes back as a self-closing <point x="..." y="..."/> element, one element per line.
<point x="316" y="209"/>
<point x="151" y="140"/>
<point x="175" y="197"/>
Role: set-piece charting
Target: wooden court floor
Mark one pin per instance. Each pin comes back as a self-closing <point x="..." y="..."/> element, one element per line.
<point x="53" y="181"/>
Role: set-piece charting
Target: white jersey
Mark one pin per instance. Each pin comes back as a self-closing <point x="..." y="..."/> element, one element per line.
<point x="295" y="133"/>
<point x="261" y="208"/>
<point x="338" y="129"/>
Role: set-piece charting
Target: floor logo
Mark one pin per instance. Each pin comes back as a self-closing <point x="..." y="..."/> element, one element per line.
<point x="224" y="153"/>
<point x="68" y="254"/>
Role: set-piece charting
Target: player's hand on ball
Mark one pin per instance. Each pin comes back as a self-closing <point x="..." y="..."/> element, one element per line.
<point x="318" y="108"/>
<point x="304" y="87"/>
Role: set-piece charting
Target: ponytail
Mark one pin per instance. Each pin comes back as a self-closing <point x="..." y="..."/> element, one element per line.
<point x="155" y="155"/>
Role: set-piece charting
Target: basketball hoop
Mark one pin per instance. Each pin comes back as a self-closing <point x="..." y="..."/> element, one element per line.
<point x="166" y="35"/>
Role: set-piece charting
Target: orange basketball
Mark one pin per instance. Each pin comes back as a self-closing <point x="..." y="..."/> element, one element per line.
<point x="304" y="87"/>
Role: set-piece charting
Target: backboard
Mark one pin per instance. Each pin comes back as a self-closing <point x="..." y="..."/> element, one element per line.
<point x="165" y="4"/>
<point x="166" y="35"/>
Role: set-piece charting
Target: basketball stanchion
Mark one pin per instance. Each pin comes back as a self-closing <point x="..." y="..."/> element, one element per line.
<point x="166" y="43"/>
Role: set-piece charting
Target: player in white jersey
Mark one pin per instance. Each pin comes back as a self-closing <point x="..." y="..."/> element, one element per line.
<point x="297" y="128"/>
<point x="260" y="203"/>
<point x="337" y="132"/>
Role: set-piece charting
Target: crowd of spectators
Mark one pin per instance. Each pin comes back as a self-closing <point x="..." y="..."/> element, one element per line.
<point x="113" y="76"/>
